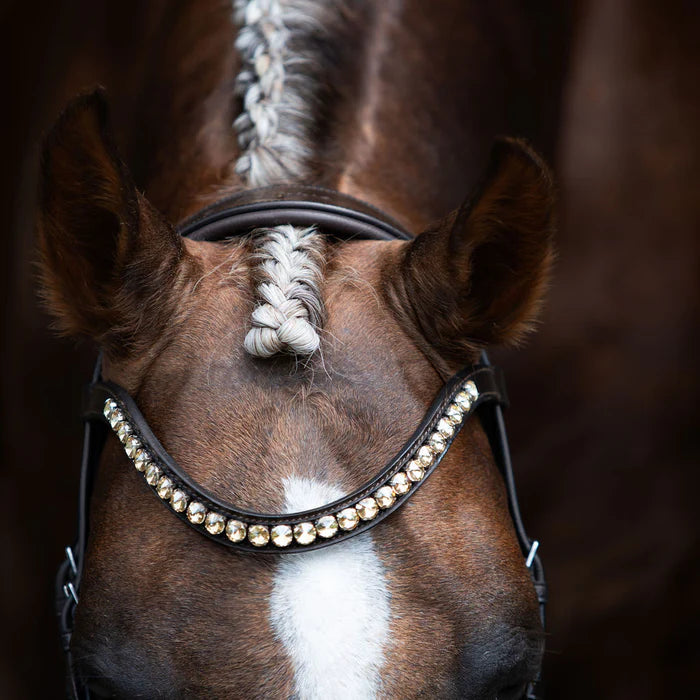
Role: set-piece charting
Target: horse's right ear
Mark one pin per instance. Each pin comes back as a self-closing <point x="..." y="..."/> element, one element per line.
<point x="478" y="277"/>
<point x="107" y="256"/>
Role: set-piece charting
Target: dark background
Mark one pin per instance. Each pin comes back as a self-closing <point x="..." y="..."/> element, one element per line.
<point x="604" y="424"/>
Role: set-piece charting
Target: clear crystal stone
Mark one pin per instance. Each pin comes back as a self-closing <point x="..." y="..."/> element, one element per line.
<point x="385" y="496"/>
<point x="258" y="535"/>
<point x="463" y="400"/>
<point x="142" y="460"/>
<point x="454" y="414"/>
<point x="152" y="474"/>
<point x="116" y="418"/>
<point x="348" y="519"/>
<point x="132" y="446"/>
<point x="214" y="523"/>
<point x="178" y="500"/>
<point x="304" y="533"/>
<point x="400" y="483"/>
<point x="235" y="530"/>
<point x="123" y="431"/>
<point x="425" y="456"/>
<point x="367" y="508"/>
<point x="470" y="388"/>
<point x="445" y="428"/>
<point x="327" y="526"/>
<point x="281" y="535"/>
<point x="164" y="488"/>
<point x="414" y="470"/>
<point x="109" y="406"/>
<point x="196" y="513"/>
<point x="437" y="443"/>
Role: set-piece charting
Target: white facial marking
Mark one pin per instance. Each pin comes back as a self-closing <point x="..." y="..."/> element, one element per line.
<point x="331" y="609"/>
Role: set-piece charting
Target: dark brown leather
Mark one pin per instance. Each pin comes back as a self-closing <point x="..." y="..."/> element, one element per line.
<point x="488" y="383"/>
<point x="333" y="213"/>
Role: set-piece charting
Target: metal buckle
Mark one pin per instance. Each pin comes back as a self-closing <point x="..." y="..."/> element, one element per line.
<point x="69" y="589"/>
<point x="70" y="592"/>
<point x="531" y="554"/>
<point x="534" y="691"/>
<point x="71" y="561"/>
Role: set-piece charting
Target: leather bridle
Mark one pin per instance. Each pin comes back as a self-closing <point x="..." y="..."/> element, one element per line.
<point x="479" y="388"/>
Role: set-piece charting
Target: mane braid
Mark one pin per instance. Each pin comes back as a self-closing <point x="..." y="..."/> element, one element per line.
<point x="279" y="84"/>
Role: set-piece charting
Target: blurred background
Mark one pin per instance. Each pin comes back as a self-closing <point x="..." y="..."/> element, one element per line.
<point x="604" y="424"/>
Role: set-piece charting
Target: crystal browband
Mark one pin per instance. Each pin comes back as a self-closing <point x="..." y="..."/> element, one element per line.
<point x="310" y="529"/>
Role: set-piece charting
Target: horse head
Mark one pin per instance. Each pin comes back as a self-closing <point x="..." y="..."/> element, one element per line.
<point x="436" y="600"/>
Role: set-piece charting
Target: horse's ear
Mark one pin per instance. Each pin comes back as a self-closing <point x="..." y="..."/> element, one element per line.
<point x="107" y="256"/>
<point x="478" y="277"/>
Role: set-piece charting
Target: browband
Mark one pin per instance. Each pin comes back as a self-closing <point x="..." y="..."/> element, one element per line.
<point x="311" y="529"/>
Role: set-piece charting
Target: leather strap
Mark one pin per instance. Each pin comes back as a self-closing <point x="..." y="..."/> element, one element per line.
<point x="334" y="213"/>
<point x="487" y="380"/>
<point x="495" y="428"/>
<point x="70" y="572"/>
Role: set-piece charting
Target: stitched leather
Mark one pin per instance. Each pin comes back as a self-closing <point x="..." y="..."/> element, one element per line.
<point x="487" y="382"/>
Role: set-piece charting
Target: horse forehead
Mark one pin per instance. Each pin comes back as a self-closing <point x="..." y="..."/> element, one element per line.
<point x="297" y="426"/>
<point x="354" y="276"/>
<point x="308" y="432"/>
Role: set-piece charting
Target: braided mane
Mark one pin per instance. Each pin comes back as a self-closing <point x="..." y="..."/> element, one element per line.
<point x="277" y="87"/>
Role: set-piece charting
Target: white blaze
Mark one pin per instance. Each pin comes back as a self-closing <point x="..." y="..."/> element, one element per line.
<point x="330" y="609"/>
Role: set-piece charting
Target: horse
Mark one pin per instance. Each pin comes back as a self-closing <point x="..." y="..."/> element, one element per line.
<point x="284" y="367"/>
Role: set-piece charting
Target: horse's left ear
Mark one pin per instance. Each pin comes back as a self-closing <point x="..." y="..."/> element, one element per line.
<point x="109" y="260"/>
<point x="478" y="277"/>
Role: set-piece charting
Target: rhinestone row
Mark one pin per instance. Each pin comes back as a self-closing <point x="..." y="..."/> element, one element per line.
<point x="306" y="533"/>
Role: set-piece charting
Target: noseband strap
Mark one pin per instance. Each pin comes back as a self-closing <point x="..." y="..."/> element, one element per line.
<point x="478" y="389"/>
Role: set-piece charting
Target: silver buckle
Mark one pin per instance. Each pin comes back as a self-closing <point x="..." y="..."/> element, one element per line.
<point x="70" y="592"/>
<point x="531" y="554"/>
<point x="71" y="561"/>
<point x="69" y="588"/>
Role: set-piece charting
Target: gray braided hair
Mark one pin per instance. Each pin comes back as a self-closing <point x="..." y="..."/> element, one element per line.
<point x="290" y="273"/>
<point x="278" y="88"/>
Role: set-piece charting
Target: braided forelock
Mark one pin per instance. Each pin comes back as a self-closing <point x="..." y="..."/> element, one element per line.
<point x="290" y="273"/>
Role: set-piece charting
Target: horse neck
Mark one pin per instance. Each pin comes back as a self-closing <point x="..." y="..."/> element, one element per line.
<point x="406" y="106"/>
<point x="433" y="88"/>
